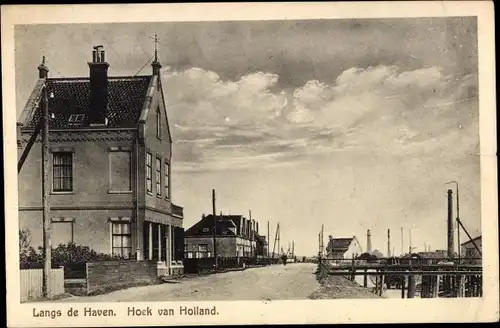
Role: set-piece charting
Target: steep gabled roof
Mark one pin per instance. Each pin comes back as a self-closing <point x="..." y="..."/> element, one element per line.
<point x="205" y="226"/>
<point x="470" y="241"/>
<point x="72" y="96"/>
<point x="339" y="244"/>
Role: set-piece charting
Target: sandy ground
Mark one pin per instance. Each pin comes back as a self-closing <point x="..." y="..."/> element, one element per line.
<point x="293" y="281"/>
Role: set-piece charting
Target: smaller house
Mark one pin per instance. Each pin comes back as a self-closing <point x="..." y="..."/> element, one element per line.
<point x="469" y="252"/>
<point x="234" y="237"/>
<point x="343" y="248"/>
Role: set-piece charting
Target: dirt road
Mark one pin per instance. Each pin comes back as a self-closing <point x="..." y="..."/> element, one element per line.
<point x="293" y="281"/>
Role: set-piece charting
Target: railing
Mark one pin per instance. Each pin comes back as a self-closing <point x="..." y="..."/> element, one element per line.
<point x="207" y="264"/>
<point x="436" y="280"/>
<point x="177" y="210"/>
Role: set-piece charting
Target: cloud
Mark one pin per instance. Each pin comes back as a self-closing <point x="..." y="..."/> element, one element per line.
<point x="221" y="124"/>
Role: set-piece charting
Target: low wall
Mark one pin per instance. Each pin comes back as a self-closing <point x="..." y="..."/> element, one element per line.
<point x="108" y="275"/>
<point x="32" y="282"/>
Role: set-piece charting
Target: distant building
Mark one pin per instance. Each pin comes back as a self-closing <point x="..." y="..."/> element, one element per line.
<point x="469" y="251"/>
<point x="235" y="236"/>
<point x="261" y="246"/>
<point x="110" y="164"/>
<point x="342" y="248"/>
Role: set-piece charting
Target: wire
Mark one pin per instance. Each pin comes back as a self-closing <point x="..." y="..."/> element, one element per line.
<point x="143" y="66"/>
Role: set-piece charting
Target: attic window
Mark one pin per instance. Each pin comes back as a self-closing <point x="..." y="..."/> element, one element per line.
<point x="205" y="229"/>
<point x="75" y="119"/>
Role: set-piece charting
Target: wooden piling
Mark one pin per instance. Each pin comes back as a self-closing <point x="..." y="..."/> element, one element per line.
<point x="461" y="286"/>
<point x="381" y="288"/>
<point x="435" y="286"/>
<point x="411" y="286"/>
<point x="403" y="283"/>
<point x="365" y="279"/>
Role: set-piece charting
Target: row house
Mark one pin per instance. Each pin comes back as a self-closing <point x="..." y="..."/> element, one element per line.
<point x="110" y="159"/>
<point x="235" y="236"/>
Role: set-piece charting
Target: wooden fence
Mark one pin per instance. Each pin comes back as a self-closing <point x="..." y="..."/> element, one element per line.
<point x="32" y="281"/>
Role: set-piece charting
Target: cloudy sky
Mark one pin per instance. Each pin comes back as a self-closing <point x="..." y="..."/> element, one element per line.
<point x="354" y="124"/>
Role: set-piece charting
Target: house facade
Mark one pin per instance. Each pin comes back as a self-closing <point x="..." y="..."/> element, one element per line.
<point x="235" y="236"/>
<point x="469" y="252"/>
<point x="338" y="249"/>
<point x="110" y="164"/>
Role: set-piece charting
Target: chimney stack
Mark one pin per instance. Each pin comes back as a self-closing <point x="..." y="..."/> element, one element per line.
<point x="388" y="242"/>
<point x="450" y="223"/>
<point x="98" y="87"/>
<point x="43" y="71"/>
<point x="368" y="242"/>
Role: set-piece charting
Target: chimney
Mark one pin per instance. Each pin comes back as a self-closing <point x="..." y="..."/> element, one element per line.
<point x="98" y="87"/>
<point x="368" y="242"/>
<point x="388" y="242"/>
<point x="450" y="223"/>
<point x="43" y="71"/>
<point x="257" y="227"/>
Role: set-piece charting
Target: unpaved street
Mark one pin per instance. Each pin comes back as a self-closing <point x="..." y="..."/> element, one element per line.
<point x="293" y="281"/>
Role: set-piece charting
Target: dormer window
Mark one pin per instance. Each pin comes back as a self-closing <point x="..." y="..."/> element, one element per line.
<point x="76" y="119"/>
<point x="158" y="123"/>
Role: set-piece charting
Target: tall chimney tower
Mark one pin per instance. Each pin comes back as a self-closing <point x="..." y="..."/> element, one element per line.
<point x="388" y="242"/>
<point x="450" y="223"/>
<point x="98" y="87"/>
<point x="368" y="242"/>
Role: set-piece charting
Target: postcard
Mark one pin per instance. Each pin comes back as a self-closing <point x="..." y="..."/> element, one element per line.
<point x="250" y="163"/>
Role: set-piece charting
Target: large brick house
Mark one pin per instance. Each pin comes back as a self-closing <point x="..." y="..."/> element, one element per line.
<point x="235" y="237"/>
<point x="110" y="164"/>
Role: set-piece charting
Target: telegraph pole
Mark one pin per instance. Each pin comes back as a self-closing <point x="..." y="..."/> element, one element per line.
<point x="47" y="243"/>
<point x="268" y="240"/>
<point x="215" y="227"/>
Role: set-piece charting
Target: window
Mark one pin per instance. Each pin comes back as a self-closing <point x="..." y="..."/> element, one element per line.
<point x="121" y="239"/>
<point x="158" y="177"/>
<point x="120" y="171"/>
<point x="62" y="178"/>
<point x="470" y="252"/>
<point x="149" y="173"/>
<point x="203" y="251"/>
<point x="158" y="123"/>
<point x="167" y="180"/>
<point x="75" y="119"/>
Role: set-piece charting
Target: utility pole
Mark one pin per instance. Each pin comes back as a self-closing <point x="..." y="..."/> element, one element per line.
<point x="47" y="242"/>
<point x="215" y="228"/>
<point x="251" y="232"/>
<point x="409" y="246"/>
<point x="402" y="242"/>
<point x="268" y="240"/>
<point x="279" y="233"/>
<point x="276" y="238"/>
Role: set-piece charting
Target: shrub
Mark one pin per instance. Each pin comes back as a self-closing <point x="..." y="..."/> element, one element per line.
<point x="71" y="256"/>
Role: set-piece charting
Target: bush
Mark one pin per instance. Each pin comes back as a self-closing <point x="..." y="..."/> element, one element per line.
<point x="71" y="256"/>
